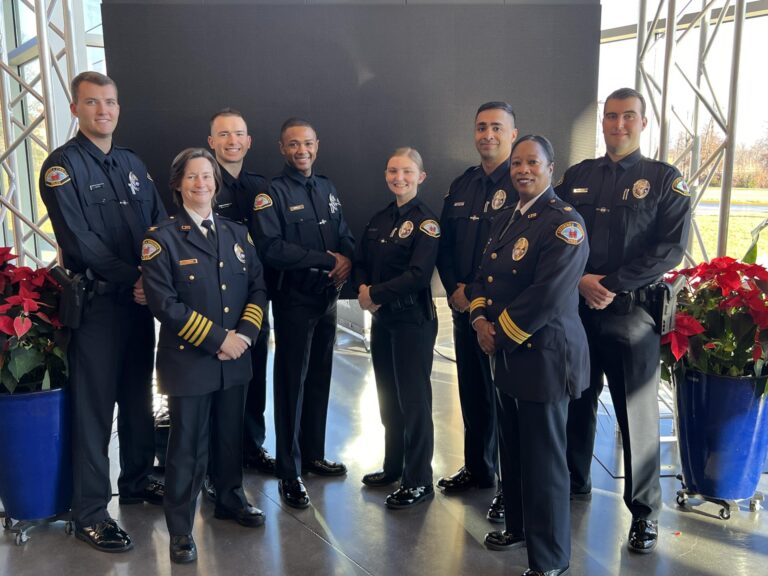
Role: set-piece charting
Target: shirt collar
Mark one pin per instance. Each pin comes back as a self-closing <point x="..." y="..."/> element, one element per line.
<point x="401" y="211"/>
<point x="297" y="176"/>
<point x="625" y="163"/>
<point x="498" y="173"/>
<point x="525" y="207"/>
<point x="94" y="150"/>
<point x="198" y="220"/>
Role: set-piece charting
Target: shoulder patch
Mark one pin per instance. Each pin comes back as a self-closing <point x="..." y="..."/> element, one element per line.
<point x="430" y="228"/>
<point x="56" y="176"/>
<point x="261" y="201"/>
<point x="680" y="186"/>
<point x="571" y="233"/>
<point x="150" y="249"/>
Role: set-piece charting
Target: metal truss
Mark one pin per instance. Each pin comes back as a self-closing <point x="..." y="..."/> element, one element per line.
<point x="28" y="113"/>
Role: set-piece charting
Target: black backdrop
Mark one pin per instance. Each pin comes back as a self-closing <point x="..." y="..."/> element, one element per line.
<point x="369" y="76"/>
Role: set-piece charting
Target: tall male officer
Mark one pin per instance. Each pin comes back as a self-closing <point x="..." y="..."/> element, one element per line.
<point x="473" y="199"/>
<point x="637" y="212"/>
<point x="301" y="234"/>
<point x="230" y="142"/>
<point x="101" y="199"/>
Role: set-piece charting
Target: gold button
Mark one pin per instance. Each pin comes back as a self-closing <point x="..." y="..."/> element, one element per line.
<point x="221" y="264"/>
<point x="223" y="286"/>
<point x="191" y="276"/>
<point x="490" y="302"/>
<point x="529" y="345"/>
<point x="494" y="256"/>
<point x="490" y="279"/>
<point x="514" y="271"/>
<point x="181" y="346"/>
<point x="243" y="268"/>
<point x="226" y="309"/>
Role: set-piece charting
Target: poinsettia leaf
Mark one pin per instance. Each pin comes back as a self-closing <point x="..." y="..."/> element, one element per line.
<point x="6" y="325"/>
<point x="21" y="325"/>
<point x="23" y="361"/>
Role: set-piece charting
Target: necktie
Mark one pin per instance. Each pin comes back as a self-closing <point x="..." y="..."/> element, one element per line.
<point x="599" y="242"/>
<point x="211" y="234"/>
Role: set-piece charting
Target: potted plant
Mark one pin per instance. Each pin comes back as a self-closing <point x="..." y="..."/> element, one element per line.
<point x="716" y="356"/>
<point x="35" y="469"/>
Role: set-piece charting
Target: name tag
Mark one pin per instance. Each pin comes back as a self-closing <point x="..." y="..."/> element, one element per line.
<point x="297" y="207"/>
<point x="458" y="203"/>
<point x="187" y="262"/>
<point x="580" y="190"/>
<point x="96" y="186"/>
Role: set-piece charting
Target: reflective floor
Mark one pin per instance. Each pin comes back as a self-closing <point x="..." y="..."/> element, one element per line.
<point x="347" y="530"/>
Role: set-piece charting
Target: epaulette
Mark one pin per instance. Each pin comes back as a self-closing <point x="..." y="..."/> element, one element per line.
<point x="164" y="224"/>
<point x="470" y="170"/>
<point x="560" y="205"/>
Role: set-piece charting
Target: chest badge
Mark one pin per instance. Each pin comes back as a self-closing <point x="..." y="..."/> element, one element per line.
<point x="333" y="203"/>
<point x="405" y="229"/>
<point x="133" y="183"/>
<point x="571" y="233"/>
<point x="641" y="188"/>
<point x="520" y="249"/>
<point x="499" y="197"/>
<point x="240" y="253"/>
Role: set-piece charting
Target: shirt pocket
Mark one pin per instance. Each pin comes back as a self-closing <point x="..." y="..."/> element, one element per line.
<point x="102" y="208"/>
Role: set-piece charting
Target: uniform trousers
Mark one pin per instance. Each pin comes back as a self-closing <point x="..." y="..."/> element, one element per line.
<point x="402" y="351"/>
<point x="625" y="348"/>
<point x="196" y="421"/>
<point x="478" y="401"/>
<point x="534" y="478"/>
<point x="254" y="426"/>
<point x="305" y="332"/>
<point x="111" y="356"/>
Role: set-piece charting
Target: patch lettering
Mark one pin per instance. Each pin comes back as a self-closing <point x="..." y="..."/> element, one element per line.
<point x="56" y="176"/>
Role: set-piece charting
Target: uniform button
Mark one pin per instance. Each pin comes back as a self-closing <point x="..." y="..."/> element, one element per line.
<point x="243" y="268"/>
<point x="221" y="264"/>
<point x="226" y="309"/>
<point x="514" y="271"/>
<point x="223" y="286"/>
<point x="191" y="276"/>
<point x="494" y="256"/>
<point x="490" y="302"/>
<point x="529" y="345"/>
<point x="181" y="346"/>
<point x="490" y="279"/>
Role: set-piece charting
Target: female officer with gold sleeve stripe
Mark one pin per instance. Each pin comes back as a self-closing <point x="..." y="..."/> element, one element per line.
<point x="203" y="282"/>
<point x="524" y="308"/>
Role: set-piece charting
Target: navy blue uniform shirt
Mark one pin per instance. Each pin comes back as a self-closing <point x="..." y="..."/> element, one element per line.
<point x="236" y="195"/>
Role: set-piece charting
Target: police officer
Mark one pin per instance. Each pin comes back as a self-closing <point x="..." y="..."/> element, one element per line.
<point x="473" y="199"/>
<point x="524" y="308"/>
<point x="302" y="235"/>
<point x="637" y="212"/>
<point x="100" y="199"/>
<point x="230" y="142"/>
<point x="393" y="269"/>
<point x="204" y="284"/>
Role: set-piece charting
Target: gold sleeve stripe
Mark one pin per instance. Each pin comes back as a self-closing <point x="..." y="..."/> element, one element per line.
<point x="256" y="323"/>
<point x="512" y="330"/>
<point x="256" y="316"/>
<point x="192" y="322"/>
<point x="207" y="328"/>
<point x="252" y="307"/>
<point x="477" y="303"/>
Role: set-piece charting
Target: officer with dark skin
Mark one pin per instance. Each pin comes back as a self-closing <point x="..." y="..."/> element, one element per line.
<point x="473" y="199"/>
<point x="101" y="199"/>
<point x="301" y="234"/>
<point x="637" y="213"/>
<point x="230" y="142"/>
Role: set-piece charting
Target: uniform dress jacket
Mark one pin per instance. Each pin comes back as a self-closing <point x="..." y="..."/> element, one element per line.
<point x="198" y="296"/>
<point x="527" y="285"/>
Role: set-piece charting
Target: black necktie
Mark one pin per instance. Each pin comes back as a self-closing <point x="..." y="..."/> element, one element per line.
<point x="211" y="235"/>
<point x="600" y="237"/>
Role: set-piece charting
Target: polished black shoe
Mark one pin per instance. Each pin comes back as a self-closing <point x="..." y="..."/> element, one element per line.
<point x="259" y="460"/>
<point x="248" y="516"/>
<point x="504" y="540"/>
<point x="407" y="497"/>
<point x="324" y="467"/>
<point x="293" y="493"/>
<point x="379" y="478"/>
<point x="183" y="549"/>
<point x="463" y="480"/>
<point x="209" y="489"/>
<point x="553" y="572"/>
<point x="106" y="536"/>
<point x="496" y="510"/>
<point x="643" y="535"/>
<point x="153" y="493"/>
<point x="581" y="496"/>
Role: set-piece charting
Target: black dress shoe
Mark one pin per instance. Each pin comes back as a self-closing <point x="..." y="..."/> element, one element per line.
<point x="209" y="489"/>
<point x="407" y="497"/>
<point x="153" y="493"/>
<point x="183" y="549"/>
<point x="504" y="540"/>
<point x="463" y="480"/>
<point x="553" y="572"/>
<point x="379" y="478"/>
<point x="294" y="493"/>
<point x="643" y="535"/>
<point x="259" y="460"/>
<point x="496" y="511"/>
<point x="324" y="467"/>
<point x="105" y="536"/>
<point x="248" y="516"/>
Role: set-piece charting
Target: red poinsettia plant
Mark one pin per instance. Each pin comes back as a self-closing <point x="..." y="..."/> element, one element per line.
<point x="721" y="326"/>
<point x="31" y="355"/>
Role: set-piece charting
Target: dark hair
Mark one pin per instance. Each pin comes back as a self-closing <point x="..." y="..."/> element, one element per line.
<point x="179" y="164"/>
<point x="226" y="112"/>
<point x="92" y="77"/>
<point x="497" y="106"/>
<point x="411" y="153"/>
<point x="294" y="121"/>
<point x="624" y="93"/>
<point x="545" y="145"/>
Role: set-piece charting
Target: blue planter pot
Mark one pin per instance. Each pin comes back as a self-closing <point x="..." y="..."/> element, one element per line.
<point x="35" y="459"/>
<point x="722" y="428"/>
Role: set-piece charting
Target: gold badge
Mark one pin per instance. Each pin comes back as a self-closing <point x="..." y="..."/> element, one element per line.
<point x="56" y="176"/>
<point x="405" y="229"/>
<point x="150" y="249"/>
<point x="261" y="201"/>
<point x="680" y="186"/>
<point x="430" y="228"/>
<point x="499" y="197"/>
<point x="641" y="188"/>
<point x="240" y="253"/>
<point x="520" y="249"/>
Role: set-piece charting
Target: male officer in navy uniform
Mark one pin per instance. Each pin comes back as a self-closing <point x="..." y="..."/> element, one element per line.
<point x="301" y="234"/>
<point x="101" y="199"/>
<point x="230" y="142"/>
<point x="637" y="212"/>
<point x="473" y="199"/>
